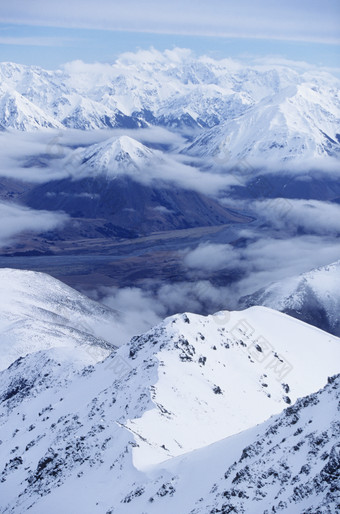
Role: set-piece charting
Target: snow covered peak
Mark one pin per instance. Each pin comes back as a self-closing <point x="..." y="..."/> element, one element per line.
<point x="17" y="112"/>
<point x="39" y="312"/>
<point x="88" y="114"/>
<point x="235" y="369"/>
<point x="115" y="155"/>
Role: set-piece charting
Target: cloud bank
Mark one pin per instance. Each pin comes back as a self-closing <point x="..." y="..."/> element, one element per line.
<point x="292" y="215"/>
<point x="16" y="219"/>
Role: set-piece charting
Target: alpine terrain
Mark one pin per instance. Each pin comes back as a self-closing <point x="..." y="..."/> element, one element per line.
<point x="137" y="198"/>
<point x="235" y="393"/>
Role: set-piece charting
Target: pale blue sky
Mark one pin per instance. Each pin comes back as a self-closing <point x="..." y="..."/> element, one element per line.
<point x="49" y="33"/>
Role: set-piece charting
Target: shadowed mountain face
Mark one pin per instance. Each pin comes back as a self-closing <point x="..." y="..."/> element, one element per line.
<point x="309" y="309"/>
<point x="312" y="297"/>
<point x="309" y="185"/>
<point x="131" y="208"/>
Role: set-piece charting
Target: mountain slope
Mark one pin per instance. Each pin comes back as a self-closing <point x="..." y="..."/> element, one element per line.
<point x="88" y="114"/>
<point x="189" y="382"/>
<point x="39" y="312"/>
<point x="290" y="463"/>
<point x="125" y="204"/>
<point x="313" y="297"/>
<point x="129" y="187"/>
<point x="296" y="123"/>
<point x="16" y="112"/>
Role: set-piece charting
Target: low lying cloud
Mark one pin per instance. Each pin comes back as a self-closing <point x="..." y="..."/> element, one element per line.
<point x="262" y="261"/>
<point x="49" y="155"/>
<point x="75" y="137"/>
<point x="140" y="309"/>
<point x="311" y="216"/>
<point x="270" y="259"/>
<point x="211" y="257"/>
<point x="25" y="156"/>
<point x="187" y="177"/>
<point x="39" y="157"/>
<point x="158" y="167"/>
<point x="16" y="219"/>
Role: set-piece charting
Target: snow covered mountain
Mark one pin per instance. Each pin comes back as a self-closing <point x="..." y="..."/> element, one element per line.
<point x="118" y="155"/>
<point x="134" y="433"/>
<point x="283" y="113"/>
<point x="313" y="297"/>
<point x="130" y="187"/>
<point x="91" y="115"/>
<point x="17" y="112"/>
<point x="38" y="312"/>
<point x="297" y="121"/>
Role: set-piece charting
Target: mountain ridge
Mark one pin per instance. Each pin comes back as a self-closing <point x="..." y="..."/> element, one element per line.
<point x="193" y="393"/>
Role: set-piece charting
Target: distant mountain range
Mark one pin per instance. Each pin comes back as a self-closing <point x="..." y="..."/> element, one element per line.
<point x="298" y="122"/>
<point x="284" y="114"/>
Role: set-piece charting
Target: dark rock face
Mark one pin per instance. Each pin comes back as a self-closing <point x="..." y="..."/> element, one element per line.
<point x="130" y="208"/>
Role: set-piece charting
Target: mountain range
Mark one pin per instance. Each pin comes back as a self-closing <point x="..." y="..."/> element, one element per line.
<point x="284" y="113"/>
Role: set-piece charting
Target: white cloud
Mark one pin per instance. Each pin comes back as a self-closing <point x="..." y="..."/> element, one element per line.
<point x="211" y="257"/>
<point x="61" y="161"/>
<point x="262" y="261"/>
<point x="187" y="177"/>
<point x="270" y="259"/>
<point x="292" y="21"/>
<point x="140" y="309"/>
<point x="51" y="146"/>
<point x="34" y="41"/>
<point x="16" y="219"/>
<point x="312" y="216"/>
